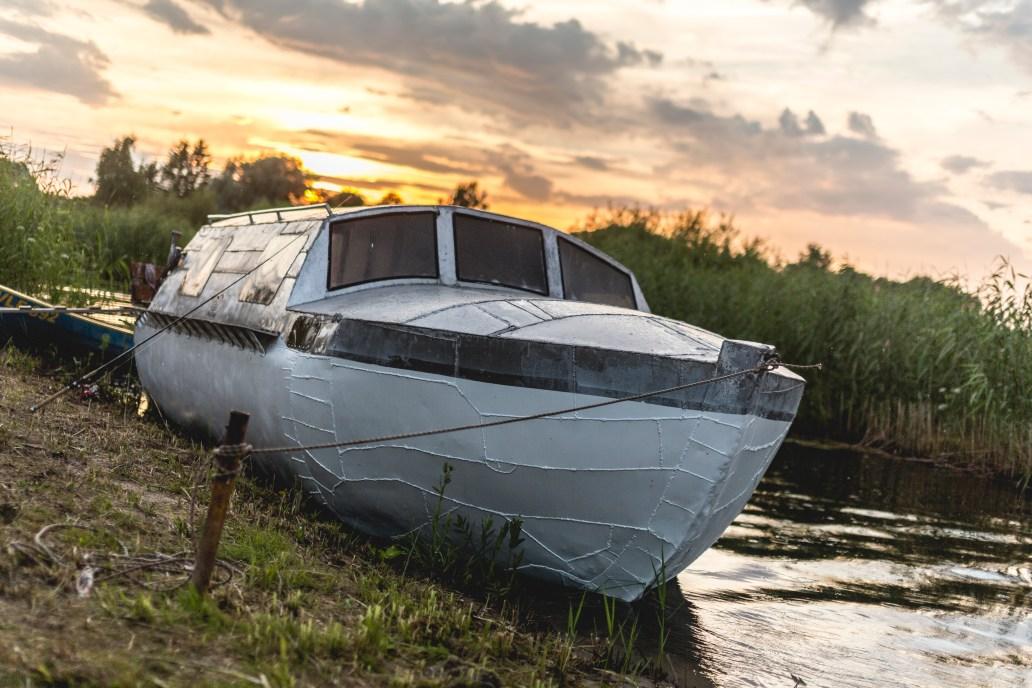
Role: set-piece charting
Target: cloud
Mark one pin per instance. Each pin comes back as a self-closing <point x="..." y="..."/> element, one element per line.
<point x="999" y="24"/>
<point x="839" y="12"/>
<point x="1019" y="181"/>
<point x="1007" y="24"/>
<point x="862" y="124"/>
<point x="436" y="157"/>
<point x="60" y="63"/>
<point x="386" y="184"/>
<point x="592" y="162"/>
<point x="604" y="200"/>
<point x="790" y="125"/>
<point x="32" y="8"/>
<point x="853" y="193"/>
<point x="520" y="174"/>
<point x="795" y="167"/>
<point x="168" y="12"/>
<point x="516" y="168"/>
<point x="959" y="164"/>
<point x="475" y="54"/>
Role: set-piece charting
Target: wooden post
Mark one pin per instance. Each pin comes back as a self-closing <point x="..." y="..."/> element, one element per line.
<point x="227" y="465"/>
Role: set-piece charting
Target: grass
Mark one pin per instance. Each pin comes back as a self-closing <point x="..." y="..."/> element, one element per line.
<point x="920" y="367"/>
<point x="311" y="603"/>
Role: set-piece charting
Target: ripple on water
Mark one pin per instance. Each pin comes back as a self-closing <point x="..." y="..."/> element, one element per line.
<point x="848" y="570"/>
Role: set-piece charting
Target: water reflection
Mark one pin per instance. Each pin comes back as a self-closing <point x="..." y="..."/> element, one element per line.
<point x="848" y="570"/>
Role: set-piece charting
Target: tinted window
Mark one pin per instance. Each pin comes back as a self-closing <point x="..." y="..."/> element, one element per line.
<point x="383" y="247"/>
<point x="587" y="277"/>
<point x="499" y="253"/>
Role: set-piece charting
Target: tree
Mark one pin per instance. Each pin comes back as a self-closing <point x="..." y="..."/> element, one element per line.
<point x="119" y="181"/>
<point x="391" y="198"/>
<point x="815" y="257"/>
<point x="270" y="180"/>
<point x="186" y="169"/>
<point x="345" y="198"/>
<point x="469" y="195"/>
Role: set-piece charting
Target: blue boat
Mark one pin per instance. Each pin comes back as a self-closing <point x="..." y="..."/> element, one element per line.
<point x="105" y="334"/>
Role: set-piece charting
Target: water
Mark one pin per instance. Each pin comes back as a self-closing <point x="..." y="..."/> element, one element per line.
<point x="852" y="570"/>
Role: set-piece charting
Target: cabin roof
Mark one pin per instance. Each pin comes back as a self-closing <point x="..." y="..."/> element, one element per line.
<point x="502" y="313"/>
<point x="274" y="244"/>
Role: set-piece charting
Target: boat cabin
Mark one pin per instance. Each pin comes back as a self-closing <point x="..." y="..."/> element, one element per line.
<point x="452" y="246"/>
<point x="434" y="266"/>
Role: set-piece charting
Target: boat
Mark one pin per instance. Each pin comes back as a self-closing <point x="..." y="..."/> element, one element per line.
<point x="105" y="327"/>
<point x="331" y="326"/>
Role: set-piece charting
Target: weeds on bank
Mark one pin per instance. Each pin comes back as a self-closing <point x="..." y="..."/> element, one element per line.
<point x="453" y="548"/>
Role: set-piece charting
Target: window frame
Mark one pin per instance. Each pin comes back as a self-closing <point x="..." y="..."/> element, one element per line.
<point x="513" y="223"/>
<point x="603" y="258"/>
<point x="434" y="214"/>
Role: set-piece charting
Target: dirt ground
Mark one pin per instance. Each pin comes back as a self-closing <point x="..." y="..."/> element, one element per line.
<point x="88" y="490"/>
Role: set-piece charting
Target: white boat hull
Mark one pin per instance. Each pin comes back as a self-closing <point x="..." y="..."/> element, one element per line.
<point x="611" y="500"/>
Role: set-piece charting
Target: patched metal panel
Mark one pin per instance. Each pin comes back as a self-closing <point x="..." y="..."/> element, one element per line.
<point x="239" y="262"/>
<point x="621" y="331"/>
<point x="510" y="312"/>
<point x="295" y="267"/>
<point x="304" y="227"/>
<point x="280" y="253"/>
<point x="233" y="251"/>
<point x="466" y="319"/>
<point x="200" y="262"/>
<point x="255" y="237"/>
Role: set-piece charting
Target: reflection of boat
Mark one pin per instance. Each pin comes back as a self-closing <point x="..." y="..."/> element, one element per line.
<point x="35" y="320"/>
<point x="335" y="327"/>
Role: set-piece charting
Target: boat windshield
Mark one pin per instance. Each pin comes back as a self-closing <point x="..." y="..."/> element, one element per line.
<point x="498" y="252"/>
<point x="386" y="246"/>
<point x="587" y="277"/>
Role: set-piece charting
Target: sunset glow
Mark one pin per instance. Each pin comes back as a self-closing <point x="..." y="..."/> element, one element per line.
<point x="896" y="134"/>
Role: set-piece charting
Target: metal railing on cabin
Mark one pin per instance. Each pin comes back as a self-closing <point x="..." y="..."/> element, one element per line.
<point x="267" y="215"/>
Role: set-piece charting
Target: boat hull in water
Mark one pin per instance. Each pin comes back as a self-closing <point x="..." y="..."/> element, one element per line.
<point x="610" y="499"/>
<point x="613" y="499"/>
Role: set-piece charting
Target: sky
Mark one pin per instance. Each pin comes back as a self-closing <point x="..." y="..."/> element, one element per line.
<point x="897" y="135"/>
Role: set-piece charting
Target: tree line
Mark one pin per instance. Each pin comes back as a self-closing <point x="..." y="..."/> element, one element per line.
<point x="270" y="180"/>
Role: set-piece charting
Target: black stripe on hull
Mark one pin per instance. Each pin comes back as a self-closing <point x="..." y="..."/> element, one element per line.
<point x="566" y="368"/>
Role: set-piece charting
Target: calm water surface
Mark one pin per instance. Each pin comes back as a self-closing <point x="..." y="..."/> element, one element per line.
<point x="852" y="570"/>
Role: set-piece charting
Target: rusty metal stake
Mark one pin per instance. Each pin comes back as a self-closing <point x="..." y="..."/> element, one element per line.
<point x="227" y="464"/>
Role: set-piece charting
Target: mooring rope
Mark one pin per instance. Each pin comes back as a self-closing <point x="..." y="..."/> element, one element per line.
<point x="99" y="369"/>
<point x="78" y="310"/>
<point x="767" y="366"/>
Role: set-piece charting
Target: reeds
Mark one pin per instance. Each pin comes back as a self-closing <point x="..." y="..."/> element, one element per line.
<point x="920" y="366"/>
<point x="50" y="240"/>
<point x="38" y="250"/>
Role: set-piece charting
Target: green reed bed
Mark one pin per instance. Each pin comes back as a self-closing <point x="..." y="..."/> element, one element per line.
<point x="51" y="240"/>
<point x="918" y="367"/>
